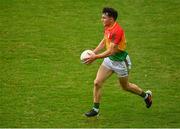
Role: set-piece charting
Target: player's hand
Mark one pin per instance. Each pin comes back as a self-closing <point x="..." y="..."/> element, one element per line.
<point x="90" y="59"/>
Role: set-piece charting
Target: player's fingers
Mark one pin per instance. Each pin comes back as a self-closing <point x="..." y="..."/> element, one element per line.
<point x="86" y="58"/>
<point x="88" y="61"/>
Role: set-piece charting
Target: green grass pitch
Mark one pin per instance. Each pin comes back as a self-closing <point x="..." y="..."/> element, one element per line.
<point x="44" y="84"/>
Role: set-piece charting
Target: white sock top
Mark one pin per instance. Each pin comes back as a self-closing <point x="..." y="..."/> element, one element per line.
<point x="95" y="109"/>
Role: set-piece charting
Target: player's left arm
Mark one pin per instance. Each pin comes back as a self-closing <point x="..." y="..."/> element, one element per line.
<point x="112" y="50"/>
<point x="116" y="38"/>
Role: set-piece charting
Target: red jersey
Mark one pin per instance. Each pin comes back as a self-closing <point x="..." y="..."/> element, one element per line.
<point x="115" y="34"/>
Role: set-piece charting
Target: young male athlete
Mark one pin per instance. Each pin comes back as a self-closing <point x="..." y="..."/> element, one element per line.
<point x="116" y="60"/>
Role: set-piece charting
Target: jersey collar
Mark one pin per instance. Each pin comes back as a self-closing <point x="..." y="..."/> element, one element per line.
<point x="110" y="28"/>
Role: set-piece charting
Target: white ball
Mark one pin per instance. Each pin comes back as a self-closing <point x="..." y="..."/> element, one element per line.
<point x="85" y="54"/>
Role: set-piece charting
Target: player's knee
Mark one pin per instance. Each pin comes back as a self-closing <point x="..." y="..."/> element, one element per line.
<point x="125" y="87"/>
<point x="97" y="83"/>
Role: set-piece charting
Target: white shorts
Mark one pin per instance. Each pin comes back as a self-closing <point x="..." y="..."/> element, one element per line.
<point x="121" y="68"/>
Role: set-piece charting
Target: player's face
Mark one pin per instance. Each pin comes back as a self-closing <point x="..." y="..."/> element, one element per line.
<point x="107" y="21"/>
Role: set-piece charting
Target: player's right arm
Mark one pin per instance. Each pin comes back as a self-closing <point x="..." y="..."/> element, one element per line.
<point x="100" y="46"/>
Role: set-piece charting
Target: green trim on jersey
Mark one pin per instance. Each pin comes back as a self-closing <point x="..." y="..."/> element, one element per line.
<point x="121" y="56"/>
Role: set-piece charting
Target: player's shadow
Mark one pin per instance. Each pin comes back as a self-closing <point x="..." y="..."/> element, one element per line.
<point x="92" y="121"/>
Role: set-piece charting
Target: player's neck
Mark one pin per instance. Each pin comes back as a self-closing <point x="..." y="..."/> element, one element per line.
<point x="111" y="25"/>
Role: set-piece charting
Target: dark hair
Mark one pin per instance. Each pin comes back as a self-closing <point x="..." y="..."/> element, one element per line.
<point x="110" y="12"/>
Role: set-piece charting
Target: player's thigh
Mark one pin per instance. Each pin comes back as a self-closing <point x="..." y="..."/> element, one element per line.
<point x="102" y="74"/>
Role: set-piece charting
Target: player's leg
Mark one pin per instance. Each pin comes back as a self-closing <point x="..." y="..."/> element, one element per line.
<point x="122" y="69"/>
<point x="102" y="74"/>
<point x="133" y="88"/>
<point x="130" y="86"/>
